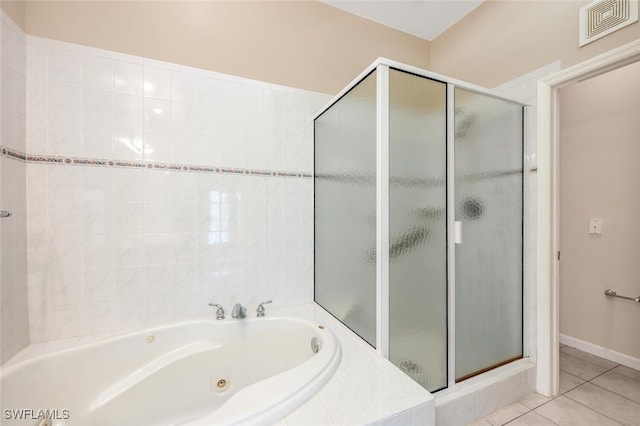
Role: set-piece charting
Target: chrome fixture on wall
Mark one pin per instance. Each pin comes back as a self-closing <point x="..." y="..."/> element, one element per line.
<point x="219" y="312"/>
<point x="238" y="311"/>
<point x="5" y="213"/>
<point x="260" y="310"/>
<point x="611" y="292"/>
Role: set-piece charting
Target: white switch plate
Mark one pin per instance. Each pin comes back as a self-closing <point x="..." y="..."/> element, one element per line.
<point x="595" y="226"/>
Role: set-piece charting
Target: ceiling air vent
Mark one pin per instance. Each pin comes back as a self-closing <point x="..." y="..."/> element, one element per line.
<point x="602" y="17"/>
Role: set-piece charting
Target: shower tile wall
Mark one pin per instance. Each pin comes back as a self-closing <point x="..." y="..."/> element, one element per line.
<point x="113" y="248"/>
<point x="13" y="231"/>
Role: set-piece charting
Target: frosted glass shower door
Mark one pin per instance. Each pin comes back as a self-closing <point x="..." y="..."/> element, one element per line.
<point x="418" y="228"/>
<point x="488" y="200"/>
<point x="345" y="209"/>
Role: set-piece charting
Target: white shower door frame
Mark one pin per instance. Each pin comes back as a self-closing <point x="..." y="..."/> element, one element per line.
<point x="382" y="214"/>
<point x="382" y="67"/>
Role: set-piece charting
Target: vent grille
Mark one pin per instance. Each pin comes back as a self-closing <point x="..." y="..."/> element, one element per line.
<point x="602" y="17"/>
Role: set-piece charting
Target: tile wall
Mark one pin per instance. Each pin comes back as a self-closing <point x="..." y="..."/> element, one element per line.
<point x="13" y="230"/>
<point x="153" y="189"/>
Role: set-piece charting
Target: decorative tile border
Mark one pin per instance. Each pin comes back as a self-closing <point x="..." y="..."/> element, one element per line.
<point x="13" y="154"/>
<point x="95" y="162"/>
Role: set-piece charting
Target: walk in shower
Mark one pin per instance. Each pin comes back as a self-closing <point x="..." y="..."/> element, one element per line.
<point x="419" y="221"/>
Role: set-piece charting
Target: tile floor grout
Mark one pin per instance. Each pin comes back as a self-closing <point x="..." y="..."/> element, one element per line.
<point x="631" y="402"/>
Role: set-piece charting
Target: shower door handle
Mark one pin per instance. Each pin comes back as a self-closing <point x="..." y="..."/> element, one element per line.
<point x="5" y="213"/>
<point x="457" y="232"/>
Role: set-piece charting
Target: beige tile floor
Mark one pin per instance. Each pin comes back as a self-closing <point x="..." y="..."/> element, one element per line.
<point x="593" y="391"/>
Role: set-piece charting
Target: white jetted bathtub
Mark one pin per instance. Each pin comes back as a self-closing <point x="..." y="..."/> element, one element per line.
<point x="249" y="371"/>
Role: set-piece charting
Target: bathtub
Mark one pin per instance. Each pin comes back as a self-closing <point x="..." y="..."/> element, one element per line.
<point x="249" y="371"/>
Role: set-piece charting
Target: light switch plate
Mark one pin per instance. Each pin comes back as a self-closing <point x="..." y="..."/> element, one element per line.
<point x="595" y="226"/>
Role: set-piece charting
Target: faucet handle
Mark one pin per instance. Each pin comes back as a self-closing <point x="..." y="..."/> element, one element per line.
<point x="260" y="310"/>
<point x="219" y="312"/>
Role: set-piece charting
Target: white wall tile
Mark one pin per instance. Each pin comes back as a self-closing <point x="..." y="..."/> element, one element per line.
<point x="64" y="103"/>
<point x="182" y="187"/>
<point x="37" y="217"/>
<point x="157" y="146"/>
<point x="65" y="217"/>
<point x="129" y="250"/>
<point x="36" y="181"/>
<point x="99" y="318"/>
<point x="156" y="185"/>
<point x="64" y="183"/>
<point x="183" y="148"/>
<point x="65" y="253"/>
<point x="98" y="217"/>
<point x="208" y="120"/>
<point x="97" y="73"/>
<point x="157" y="115"/>
<point x="128" y="110"/>
<point x="128" y="78"/>
<point x="183" y="118"/>
<point x="97" y="183"/>
<point x="130" y="283"/>
<point x="252" y="99"/>
<point x="64" y="138"/>
<point x="184" y="87"/>
<point x="158" y="248"/>
<point x="157" y="82"/>
<point x="128" y="184"/>
<point x="36" y="110"/>
<point x="97" y="140"/>
<point x="208" y="92"/>
<point x="128" y="143"/>
<point x="99" y="253"/>
<point x="188" y="235"/>
<point x="128" y="217"/>
<point x="97" y="106"/>
<point x="64" y="67"/>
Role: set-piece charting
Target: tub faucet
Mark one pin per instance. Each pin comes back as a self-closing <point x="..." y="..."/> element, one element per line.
<point x="238" y="311"/>
<point x="260" y="310"/>
<point x="219" y="312"/>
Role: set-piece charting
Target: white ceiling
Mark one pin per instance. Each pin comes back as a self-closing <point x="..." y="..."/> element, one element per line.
<point x="422" y="18"/>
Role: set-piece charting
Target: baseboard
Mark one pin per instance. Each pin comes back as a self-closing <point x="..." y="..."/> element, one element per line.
<point x="601" y="351"/>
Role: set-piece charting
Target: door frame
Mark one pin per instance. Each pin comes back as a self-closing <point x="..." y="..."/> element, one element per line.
<point x="548" y="205"/>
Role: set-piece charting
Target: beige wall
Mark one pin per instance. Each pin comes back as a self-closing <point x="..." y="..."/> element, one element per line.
<point x="303" y="44"/>
<point x="309" y="45"/>
<point x="501" y="40"/>
<point x="15" y="10"/>
<point x="599" y="175"/>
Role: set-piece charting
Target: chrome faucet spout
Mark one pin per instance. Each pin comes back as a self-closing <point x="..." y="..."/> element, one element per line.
<point x="238" y="311"/>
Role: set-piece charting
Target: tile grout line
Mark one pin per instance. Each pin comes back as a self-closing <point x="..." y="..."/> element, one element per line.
<point x="613" y="392"/>
<point x="576" y="387"/>
<point x="622" y="374"/>
<point x="592" y="409"/>
<point x="594" y="384"/>
<point x="532" y="410"/>
<point x="589" y="362"/>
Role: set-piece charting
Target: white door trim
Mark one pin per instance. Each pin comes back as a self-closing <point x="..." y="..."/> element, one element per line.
<point x="548" y="326"/>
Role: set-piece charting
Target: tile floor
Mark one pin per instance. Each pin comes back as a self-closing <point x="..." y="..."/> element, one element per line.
<point x="593" y="391"/>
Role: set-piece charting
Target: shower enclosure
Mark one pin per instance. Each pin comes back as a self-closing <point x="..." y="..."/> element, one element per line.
<point x="419" y="221"/>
